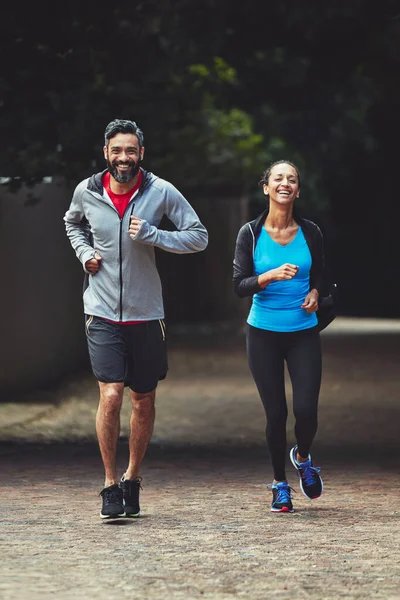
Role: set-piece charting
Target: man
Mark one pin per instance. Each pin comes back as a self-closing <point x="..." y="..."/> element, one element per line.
<point x="112" y="224"/>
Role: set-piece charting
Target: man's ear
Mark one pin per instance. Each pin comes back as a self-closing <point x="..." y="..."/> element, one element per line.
<point x="105" y="152"/>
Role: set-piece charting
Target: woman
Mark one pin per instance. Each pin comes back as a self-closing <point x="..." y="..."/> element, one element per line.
<point x="279" y="260"/>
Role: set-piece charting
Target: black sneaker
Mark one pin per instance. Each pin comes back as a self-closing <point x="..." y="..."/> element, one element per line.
<point x="310" y="481"/>
<point x="281" y="497"/>
<point x="130" y="490"/>
<point x="112" y="502"/>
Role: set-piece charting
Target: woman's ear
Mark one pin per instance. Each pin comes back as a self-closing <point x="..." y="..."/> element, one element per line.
<point x="265" y="189"/>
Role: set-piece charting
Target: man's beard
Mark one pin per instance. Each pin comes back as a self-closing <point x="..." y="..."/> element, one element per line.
<point x="126" y="175"/>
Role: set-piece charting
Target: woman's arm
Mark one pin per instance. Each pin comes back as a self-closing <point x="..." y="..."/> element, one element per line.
<point x="245" y="283"/>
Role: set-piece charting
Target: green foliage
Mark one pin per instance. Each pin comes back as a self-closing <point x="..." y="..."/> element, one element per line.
<point x="214" y="145"/>
<point x="220" y="91"/>
<point x="223" y="148"/>
<point x="220" y="71"/>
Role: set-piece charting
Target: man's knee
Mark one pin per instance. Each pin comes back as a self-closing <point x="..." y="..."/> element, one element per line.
<point x="111" y="395"/>
<point x="143" y="403"/>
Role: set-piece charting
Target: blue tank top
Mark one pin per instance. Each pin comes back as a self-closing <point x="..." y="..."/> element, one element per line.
<point x="278" y="307"/>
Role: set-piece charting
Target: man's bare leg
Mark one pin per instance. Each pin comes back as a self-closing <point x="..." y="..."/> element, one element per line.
<point x="141" y="425"/>
<point x="108" y="427"/>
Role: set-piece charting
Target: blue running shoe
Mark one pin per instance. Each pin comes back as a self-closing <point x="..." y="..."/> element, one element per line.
<point x="281" y="497"/>
<point x="310" y="481"/>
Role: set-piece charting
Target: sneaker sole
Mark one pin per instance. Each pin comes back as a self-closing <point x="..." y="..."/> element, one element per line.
<point x="112" y="516"/>
<point x="132" y="515"/>
<point x="282" y="510"/>
<point x="293" y="461"/>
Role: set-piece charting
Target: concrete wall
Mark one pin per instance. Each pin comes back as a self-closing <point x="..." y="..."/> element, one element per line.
<point x="42" y="334"/>
<point x="40" y="305"/>
<point x="198" y="287"/>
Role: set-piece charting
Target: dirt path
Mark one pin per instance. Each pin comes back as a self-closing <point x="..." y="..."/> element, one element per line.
<point x="206" y="529"/>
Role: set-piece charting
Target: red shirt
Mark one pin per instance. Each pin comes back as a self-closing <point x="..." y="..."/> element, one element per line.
<point x="120" y="202"/>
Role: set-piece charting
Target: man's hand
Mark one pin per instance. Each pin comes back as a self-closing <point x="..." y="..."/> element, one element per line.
<point x="93" y="265"/>
<point x="135" y="225"/>
<point x="310" y="304"/>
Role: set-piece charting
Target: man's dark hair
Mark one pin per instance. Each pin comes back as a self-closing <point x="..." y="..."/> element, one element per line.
<point x="267" y="173"/>
<point x="123" y="126"/>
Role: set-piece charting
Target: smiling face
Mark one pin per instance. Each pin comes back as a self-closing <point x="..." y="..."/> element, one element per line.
<point x="283" y="184"/>
<point x="123" y="156"/>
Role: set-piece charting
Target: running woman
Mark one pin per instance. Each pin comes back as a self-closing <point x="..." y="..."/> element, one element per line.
<point x="279" y="261"/>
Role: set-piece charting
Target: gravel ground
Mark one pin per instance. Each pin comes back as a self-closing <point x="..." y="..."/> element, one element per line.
<point x="206" y="530"/>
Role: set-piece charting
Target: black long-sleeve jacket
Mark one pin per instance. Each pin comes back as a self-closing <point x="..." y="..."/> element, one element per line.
<point x="245" y="282"/>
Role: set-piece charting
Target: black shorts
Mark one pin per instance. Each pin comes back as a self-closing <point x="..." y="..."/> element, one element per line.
<point x="133" y="354"/>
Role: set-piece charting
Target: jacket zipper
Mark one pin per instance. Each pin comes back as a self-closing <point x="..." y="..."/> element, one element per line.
<point x="120" y="269"/>
<point x="254" y="240"/>
<point x="120" y="250"/>
<point x="120" y="255"/>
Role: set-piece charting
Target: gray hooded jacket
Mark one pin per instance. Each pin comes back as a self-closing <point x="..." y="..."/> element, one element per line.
<point x="127" y="286"/>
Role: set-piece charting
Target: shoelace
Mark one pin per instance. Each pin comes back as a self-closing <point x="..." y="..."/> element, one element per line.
<point x="283" y="492"/>
<point x="112" y="497"/>
<point x="138" y="480"/>
<point x="309" y="474"/>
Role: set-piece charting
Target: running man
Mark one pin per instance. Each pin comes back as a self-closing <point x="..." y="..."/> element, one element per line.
<point x="112" y="224"/>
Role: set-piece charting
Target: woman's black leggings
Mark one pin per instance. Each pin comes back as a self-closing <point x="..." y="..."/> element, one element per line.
<point x="266" y="353"/>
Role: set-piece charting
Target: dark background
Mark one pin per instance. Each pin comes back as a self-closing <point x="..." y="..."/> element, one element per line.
<point x="220" y="90"/>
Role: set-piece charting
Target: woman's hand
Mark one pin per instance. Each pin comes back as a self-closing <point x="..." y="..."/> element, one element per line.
<point x="283" y="273"/>
<point x="310" y="304"/>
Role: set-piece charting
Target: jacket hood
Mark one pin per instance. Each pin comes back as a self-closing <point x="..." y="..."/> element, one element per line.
<point x="95" y="183"/>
